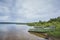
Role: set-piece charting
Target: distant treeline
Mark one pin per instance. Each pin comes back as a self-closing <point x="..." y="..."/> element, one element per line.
<point x="51" y="22"/>
<point x="12" y="23"/>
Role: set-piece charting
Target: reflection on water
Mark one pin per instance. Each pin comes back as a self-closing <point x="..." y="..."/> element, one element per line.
<point x="16" y="32"/>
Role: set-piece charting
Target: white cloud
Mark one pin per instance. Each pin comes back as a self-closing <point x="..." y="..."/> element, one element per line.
<point x="29" y="10"/>
<point x="4" y="18"/>
<point x="36" y="9"/>
<point x="4" y="10"/>
<point x="20" y="20"/>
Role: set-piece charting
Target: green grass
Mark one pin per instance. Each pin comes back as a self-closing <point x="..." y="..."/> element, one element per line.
<point x="54" y="21"/>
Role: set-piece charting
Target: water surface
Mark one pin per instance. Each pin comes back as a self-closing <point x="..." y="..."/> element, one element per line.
<point x="16" y="32"/>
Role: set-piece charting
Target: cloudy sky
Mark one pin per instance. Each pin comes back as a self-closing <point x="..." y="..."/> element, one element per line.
<point x="28" y="10"/>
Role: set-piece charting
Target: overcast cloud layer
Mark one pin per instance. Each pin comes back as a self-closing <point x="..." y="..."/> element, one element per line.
<point x="29" y="10"/>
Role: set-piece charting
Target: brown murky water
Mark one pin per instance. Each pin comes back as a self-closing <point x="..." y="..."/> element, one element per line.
<point x="16" y="32"/>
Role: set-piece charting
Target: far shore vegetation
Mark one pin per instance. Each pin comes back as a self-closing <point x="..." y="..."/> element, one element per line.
<point x="51" y="22"/>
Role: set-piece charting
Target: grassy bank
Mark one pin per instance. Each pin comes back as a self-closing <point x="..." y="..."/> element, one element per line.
<point x="51" y="22"/>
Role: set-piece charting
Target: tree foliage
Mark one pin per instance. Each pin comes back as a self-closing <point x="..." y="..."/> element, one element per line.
<point x="52" y="21"/>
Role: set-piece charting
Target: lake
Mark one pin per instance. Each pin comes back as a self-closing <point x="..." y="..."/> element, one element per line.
<point x="16" y="32"/>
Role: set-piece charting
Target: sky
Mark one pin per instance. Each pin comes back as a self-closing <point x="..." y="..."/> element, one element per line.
<point x="28" y="10"/>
